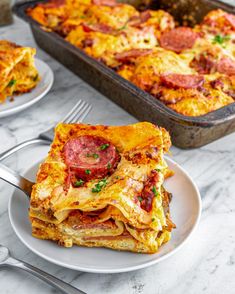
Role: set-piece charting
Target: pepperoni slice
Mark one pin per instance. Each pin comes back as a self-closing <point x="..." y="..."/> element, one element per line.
<point x="136" y="21"/>
<point x="149" y="192"/>
<point x="217" y="84"/>
<point x="204" y="64"/>
<point x="178" y="39"/>
<point x="110" y="3"/>
<point x="182" y="81"/>
<point x="126" y="55"/>
<point x="231" y="93"/>
<point x="87" y="42"/>
<point x="90" y="157"/>
<point x="102" y="28"/>
<point x="230" y="19"/>
<point x="226" y="66"/>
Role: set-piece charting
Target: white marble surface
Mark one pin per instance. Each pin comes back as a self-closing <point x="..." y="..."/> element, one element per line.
<point x="207" y="262"/>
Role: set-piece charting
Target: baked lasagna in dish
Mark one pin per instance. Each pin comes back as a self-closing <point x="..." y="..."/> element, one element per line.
<point x="102" y="186"/>
<point x="191" y="70"/>
<point x="17" y="70"/>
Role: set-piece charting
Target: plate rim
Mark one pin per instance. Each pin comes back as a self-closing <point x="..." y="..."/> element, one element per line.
<point x="124" y="269"/>
<point x="21" y="107"/>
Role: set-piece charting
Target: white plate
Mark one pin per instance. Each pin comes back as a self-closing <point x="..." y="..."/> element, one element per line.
<point x="24" y="101"/>
<point x="185" y="210"/>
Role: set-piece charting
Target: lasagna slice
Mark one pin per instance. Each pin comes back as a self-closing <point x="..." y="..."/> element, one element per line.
<point x="17" y="70"/>
<point x="102" y="186"/>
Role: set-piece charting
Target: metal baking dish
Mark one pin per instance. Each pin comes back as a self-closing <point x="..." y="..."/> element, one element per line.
<point x="186" y="132"/>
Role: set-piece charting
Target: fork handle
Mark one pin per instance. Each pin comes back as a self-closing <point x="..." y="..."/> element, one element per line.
<point x="14" y="179"/>
<point x="49" y="279"/>
<point x="20" y="146"/>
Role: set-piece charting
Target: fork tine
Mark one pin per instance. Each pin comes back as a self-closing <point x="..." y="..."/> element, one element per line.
<point x="72" y="110"/>
<point x="80" y="116"/>
<point x="84" y="114"/>
<point x="77" y="116"/>
<point x="77" y="111"/>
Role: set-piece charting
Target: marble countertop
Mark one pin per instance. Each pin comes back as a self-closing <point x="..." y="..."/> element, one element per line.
<point x="206" y="264"/>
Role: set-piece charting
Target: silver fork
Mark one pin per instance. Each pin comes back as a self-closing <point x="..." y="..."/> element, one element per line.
<point x="6" y="260"/>
<point x="13" y="178"/>
<point x="77" y="113"/>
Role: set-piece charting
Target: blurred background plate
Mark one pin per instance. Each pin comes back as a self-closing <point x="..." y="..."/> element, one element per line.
<point x="24" y="101"/>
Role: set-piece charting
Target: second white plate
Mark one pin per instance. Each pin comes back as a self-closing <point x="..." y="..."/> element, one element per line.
<point x="24" y="101"/>
<point x="185" y="211"/>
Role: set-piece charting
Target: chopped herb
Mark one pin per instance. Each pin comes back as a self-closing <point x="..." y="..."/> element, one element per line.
<point x="78" y="183"/>
<point x="108" y="165"/>
<point x="35" y="78"/>
<point x="153" y="219"/>
<point x="94" y="155"/>
<point x="101" y="184"/>
<point x="87" y="171"/>
<point x="140" y="199"/>
<point x="104" y="146"/>
<point x="155" y="192"/>
<point x="220" y="39"/>
<point x="158" y="170"/>
<point x="117" y="177"/>
<point x="11" y="83"/>
<point x="123" y="27"/>
<point x="82" y="16"/>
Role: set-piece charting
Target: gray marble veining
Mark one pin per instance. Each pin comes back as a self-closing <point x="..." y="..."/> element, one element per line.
<point x="207" y="262"/>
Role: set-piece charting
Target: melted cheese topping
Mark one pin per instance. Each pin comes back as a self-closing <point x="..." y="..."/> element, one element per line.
<point x="110" y="30"/>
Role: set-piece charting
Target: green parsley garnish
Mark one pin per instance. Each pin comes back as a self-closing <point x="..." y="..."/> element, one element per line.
<point x="101" y="184"/>
<point x="155" y="192"/>
<point x="158" y="170"/>
<point x="78" y="183"/>
<point x="11" y="83"/>
<point x="104" y="146"/>
<point x="108" y="165"/>
<point x="220" y="39"/>
<point x="140" y="199"/>
<point x="153" y="219"/>
<point x="35" y="78"/>
<point x="87" y="171"/>
<point x="82" y="16"/>
<point x="94" y="155"/>
<point x="123" y="27"/>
